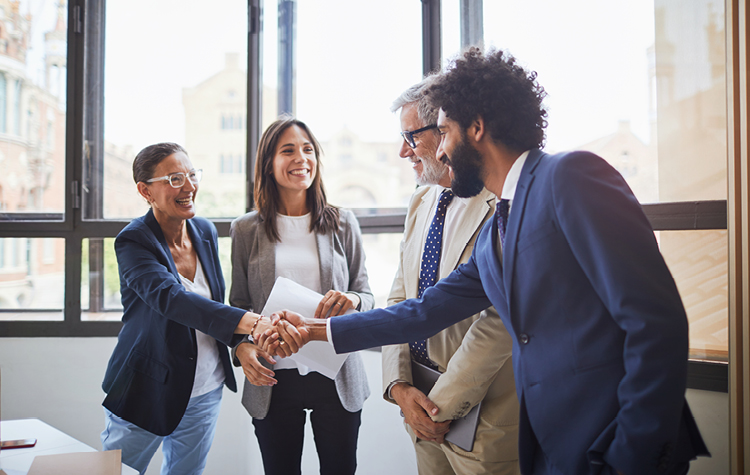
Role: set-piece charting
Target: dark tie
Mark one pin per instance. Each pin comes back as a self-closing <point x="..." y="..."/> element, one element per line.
<point x="501" y="214"/>
<point x="430" y="266"/>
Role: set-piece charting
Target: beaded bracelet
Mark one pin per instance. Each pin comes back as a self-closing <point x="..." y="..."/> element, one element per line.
<point x="252" y="330"/>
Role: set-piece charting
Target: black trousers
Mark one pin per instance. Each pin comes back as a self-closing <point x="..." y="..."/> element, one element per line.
<point x="281" y="433"/>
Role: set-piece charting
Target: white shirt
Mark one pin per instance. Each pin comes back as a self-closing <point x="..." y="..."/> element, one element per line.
<point x="297" y="259"/>
<point x="509" y="188"/>
<point x="511" y="181"/>
<point x="209" y="374"/>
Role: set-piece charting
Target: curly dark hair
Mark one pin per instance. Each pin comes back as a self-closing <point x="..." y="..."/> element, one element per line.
<point x="493" y="86"/>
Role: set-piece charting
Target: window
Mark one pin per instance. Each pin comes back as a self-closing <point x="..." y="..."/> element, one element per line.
<point x="3" y="101"/>
<point x="31" y="279"/>
<point x="350" y="115"/>
<point x="650" y="98"/>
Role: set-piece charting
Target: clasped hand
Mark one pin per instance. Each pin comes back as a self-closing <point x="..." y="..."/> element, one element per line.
<point x="283" y="334"/>
<point x="286" y="332"/>
<point x="273" y="336"/>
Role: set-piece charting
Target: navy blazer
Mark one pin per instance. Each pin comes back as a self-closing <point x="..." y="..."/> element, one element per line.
<point x="600" y="335"/>
<point x="150" y="374"/>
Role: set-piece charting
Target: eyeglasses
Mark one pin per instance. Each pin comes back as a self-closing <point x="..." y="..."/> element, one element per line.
<point x="408" y="135"/>
<point x="177" y="180"/>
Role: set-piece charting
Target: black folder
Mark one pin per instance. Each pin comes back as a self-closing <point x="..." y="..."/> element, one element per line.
<point x="463" y="430"/>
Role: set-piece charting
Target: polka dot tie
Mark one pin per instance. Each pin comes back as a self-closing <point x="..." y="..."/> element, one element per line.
<point x="501" y="214"/>
<point x="429" y="271"/>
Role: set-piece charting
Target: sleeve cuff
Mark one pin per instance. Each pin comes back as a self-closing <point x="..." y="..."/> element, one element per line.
<point x="390" y="386"/>
<point x="329" y="335"/>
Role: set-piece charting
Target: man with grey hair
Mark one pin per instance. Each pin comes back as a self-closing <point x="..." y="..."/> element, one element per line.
<point x="472" y="355"/>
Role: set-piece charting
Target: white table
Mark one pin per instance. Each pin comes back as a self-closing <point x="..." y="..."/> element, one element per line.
<point x="48" y="441"/>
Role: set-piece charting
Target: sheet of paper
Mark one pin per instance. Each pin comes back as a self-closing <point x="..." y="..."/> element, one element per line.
<point x="317" y="355"/>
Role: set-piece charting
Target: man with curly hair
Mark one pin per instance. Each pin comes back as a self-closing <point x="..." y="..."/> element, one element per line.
<point x="570" y="262"/>
<point x="472" y="356"/>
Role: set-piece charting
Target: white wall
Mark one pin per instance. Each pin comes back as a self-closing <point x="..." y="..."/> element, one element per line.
<point x="58" y="380"/>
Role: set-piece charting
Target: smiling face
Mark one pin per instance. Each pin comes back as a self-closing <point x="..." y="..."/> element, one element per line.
<point x="427" y="169"/>
<point x="465" y="161"/>
<point x="294" y="163"/>
<point x="168" y="203"/>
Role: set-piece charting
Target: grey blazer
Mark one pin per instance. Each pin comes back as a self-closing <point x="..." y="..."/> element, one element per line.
<point x="342" y="268"/>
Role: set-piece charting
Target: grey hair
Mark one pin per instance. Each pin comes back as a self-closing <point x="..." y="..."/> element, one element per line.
<point x="426" y="113"/>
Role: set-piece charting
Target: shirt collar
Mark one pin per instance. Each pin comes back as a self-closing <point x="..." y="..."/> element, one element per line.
<point x="457" y="200"/>
<point x="509" y="187"/>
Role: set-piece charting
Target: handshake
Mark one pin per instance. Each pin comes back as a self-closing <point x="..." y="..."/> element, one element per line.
<point x="282" y="335"/>
<point x="285" y="332"/>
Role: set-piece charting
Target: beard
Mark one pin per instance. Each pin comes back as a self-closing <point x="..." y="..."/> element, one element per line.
<point x="466" y="163"/>
<point x="433" y="171"/>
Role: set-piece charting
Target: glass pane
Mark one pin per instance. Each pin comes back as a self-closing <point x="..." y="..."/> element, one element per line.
<point x="347" y="75"/>
<point x="32" y="278"/>
<point x="698" y="262"/>
<point x="100" y="278"/>
<point x="33" y="48"/>
<point x="450" y="29"/>
<point x="640" y="83"/>
<point x="191" y="89"/>
<point x="382" y="256"/>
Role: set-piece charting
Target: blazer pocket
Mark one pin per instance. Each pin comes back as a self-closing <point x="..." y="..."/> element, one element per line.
<point x="527" y="239"/>
<point x="148" y="366"/>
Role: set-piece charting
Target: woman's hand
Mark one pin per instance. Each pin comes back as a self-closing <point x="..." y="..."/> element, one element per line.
<point x="335" y="303"/>
<point x="247" y="354"/>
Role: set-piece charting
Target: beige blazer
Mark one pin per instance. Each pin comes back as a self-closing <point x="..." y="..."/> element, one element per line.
<point x="342" y="267"/>
<point x="474" y="354"/>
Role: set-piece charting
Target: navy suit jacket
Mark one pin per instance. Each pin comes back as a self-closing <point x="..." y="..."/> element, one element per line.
<point x="151" y="371"/>
<point x="600" y="335"/>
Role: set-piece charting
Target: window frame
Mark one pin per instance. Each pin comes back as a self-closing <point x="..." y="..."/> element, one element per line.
<point x="84" y="137"/>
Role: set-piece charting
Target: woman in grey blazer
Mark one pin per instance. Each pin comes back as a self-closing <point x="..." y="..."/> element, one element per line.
<point x="295" y="233"/>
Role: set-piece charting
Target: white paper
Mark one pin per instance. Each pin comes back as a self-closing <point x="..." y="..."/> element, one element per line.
<point x="317" y="355"/>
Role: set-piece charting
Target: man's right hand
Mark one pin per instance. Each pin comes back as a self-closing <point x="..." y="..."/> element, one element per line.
<point x="417" y="409"/>
<point x="302" y="329"/>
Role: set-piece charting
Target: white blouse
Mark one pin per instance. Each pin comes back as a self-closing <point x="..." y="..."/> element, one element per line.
<point x="209" y="374"/>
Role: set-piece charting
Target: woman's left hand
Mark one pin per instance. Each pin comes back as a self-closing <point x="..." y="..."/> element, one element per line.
<point x="335" y="303"/>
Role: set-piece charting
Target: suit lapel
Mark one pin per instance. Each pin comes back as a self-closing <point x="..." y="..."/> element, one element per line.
<point x="325" y="256"/>
<point x="155" y="228"/>
<point x="515" y="218"/>
<point x="464" y="228"/>
<point x="265" y="266"/>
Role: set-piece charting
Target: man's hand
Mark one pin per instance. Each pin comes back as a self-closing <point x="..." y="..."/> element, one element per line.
<point x="417" y="409"/>
<point x="247" y="354"/>
<point x="302" y="329"/>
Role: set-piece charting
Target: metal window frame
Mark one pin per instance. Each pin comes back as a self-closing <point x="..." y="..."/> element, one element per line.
<point x="84" y="135"/>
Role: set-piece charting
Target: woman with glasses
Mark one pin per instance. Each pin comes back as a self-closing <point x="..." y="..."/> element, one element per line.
<point x="295" y="233"/>
<point x="165" y="377"/>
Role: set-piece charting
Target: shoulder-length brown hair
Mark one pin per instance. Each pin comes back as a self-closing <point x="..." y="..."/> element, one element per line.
<point x="324" y="217"/>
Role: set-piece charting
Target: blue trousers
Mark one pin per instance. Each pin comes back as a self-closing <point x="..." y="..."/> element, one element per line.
<point x="185" y="450"/>
<point x="281" y="433"/>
